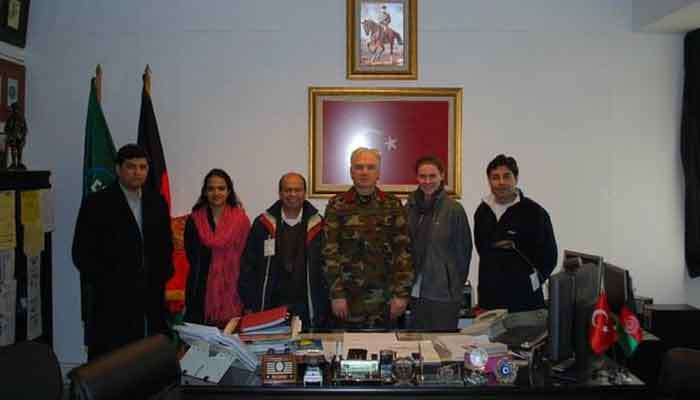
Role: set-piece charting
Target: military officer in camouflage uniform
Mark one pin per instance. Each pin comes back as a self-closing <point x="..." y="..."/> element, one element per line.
<point x="368" y="265"/>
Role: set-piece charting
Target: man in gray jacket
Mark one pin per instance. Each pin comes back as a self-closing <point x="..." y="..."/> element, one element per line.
<point x="441" y="249"/>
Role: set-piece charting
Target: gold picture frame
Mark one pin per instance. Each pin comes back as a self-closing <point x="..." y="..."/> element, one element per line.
<point x="14" y="15"/>
<point x="382" y="38"/>
<point x="403" y="123"/>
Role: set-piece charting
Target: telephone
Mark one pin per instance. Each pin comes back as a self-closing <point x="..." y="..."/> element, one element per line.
<point x="489" y="323"/>
<point x="492" y="315"/>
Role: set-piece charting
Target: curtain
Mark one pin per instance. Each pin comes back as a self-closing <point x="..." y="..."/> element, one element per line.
<point x="690" y="150"/>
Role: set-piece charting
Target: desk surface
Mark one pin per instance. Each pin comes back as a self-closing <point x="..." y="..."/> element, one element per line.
<point x="389" y="392"/>
<point x="238" y="382"/>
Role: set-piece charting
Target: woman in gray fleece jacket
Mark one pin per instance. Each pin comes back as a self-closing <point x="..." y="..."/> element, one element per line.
<point x="441" y="249"/>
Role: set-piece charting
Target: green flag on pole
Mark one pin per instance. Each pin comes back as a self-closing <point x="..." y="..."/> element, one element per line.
<point x="98" y="173"/>
<point x="98" y="162"/>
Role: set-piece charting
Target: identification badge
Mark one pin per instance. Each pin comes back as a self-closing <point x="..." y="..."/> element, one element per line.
<point x="269" y="247"/>
<point x="534" y="281"/>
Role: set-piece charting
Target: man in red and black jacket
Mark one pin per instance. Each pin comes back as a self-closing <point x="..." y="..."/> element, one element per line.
<point x="282" y="263"/>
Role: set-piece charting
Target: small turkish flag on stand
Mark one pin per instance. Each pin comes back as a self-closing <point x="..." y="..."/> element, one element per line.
<point x="603" y="333"/>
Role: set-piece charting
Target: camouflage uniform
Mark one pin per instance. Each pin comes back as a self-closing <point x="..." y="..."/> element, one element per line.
<point x="367" y="254"/>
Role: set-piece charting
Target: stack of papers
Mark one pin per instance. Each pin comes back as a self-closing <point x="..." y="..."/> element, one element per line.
<point x="194" y="333"/>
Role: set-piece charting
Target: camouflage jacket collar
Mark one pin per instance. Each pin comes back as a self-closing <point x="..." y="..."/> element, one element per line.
<point x="351" y="195"/>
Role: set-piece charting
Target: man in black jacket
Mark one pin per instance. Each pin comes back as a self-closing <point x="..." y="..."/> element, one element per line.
<point x="281" y="264"/>
<point x="515" y="241"/>
<point x="123" y="248"/>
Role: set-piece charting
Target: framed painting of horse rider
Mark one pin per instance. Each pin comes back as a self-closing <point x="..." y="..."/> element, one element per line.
<point x="403" y="124"/>
<point x="381" y="39"/>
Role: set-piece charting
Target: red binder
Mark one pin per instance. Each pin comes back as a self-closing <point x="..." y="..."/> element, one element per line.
<point x="263" y="319"/>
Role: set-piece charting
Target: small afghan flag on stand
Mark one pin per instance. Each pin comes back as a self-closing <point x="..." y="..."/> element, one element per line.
<point x="149" y="139"/>
<point x="603" y="333"/>
<point x="628" y="330"/>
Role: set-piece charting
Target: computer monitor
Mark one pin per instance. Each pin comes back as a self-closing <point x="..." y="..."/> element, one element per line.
<point x="574" y="259"/>
<point x="562" y="302"/>
<point x="572" y="298"/>
<point x="618" y="285"/>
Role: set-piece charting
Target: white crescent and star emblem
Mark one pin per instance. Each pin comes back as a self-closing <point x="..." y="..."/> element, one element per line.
<point x="594" y="320"/>
<point x="391" y="143"/>
<point x="97" y="185"/>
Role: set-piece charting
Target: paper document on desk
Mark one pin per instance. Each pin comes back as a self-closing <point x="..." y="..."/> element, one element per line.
<point x="212" y="335"/>
<point x="245" y="355"/>
<point x="200" y="363"/>
<point x="203" y="332"/>
<point x="195" y="357"/>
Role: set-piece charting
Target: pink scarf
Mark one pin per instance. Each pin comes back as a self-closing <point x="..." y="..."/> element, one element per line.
<point x="222" y="301"/>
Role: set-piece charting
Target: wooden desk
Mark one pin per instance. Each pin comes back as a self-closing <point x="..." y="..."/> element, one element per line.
<point x="238" y="383"/>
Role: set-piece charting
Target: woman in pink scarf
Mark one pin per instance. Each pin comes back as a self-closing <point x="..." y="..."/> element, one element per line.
<point x="215" y="236"/>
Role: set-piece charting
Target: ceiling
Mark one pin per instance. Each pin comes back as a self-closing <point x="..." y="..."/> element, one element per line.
<point x="683" y="16"/>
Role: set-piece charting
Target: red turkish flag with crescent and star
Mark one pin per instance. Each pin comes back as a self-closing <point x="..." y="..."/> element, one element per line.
<point x="402" y="131"/>
<point x="603" y="332"/>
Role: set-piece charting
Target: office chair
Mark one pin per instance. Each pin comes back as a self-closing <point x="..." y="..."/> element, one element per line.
<point x="680" y="374"/>
<point x="29" y="370"/>
<point x="145" y="369"/>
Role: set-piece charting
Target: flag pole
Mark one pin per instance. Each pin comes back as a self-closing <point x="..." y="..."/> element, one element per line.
<point x="98" y="83"/>
<point x="147" y="79"/>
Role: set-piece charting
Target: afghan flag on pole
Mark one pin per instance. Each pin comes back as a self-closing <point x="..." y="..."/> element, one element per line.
<point x="98" y="158"/>
<point x="602" y="333"/>
<point x="629" y="331"/>
<point x="149" y="139"/>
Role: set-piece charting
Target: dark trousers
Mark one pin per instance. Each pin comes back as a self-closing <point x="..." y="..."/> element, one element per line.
<point x="432" y="315"/>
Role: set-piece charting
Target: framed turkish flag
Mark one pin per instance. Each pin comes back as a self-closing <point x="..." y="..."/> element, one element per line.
<point x="404" y="124"/>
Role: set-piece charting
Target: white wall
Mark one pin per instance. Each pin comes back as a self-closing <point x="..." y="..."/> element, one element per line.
<point x="588" y="106"/>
